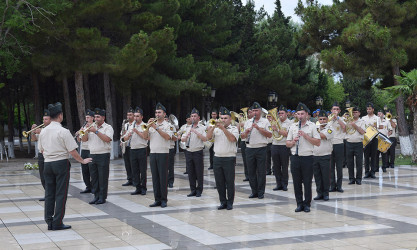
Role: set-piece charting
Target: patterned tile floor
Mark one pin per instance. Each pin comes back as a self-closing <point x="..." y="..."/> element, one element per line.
<point x="379" y="214"/>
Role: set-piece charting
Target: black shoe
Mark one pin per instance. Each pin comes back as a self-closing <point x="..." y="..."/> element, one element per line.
<point x="163" y="204"/>
<point x="137" y="191"/>
<point x="129" y="183"/>
<point x="268" y="173"/>
<point x="340" y="190"/>
<point x="359" y="182"/>
<point x="210" y="168"/>
<point x="143" y="192"/>
<point x="332" y="190"/>
<point x="253" y="196"/>
<point x="222" y="206"/>
<point x="198" y="195"/>
<point x="307" y="209"/>
<point x="299" y="208"/>
<point x="191" y="194"/>
<point x="351" y="182"/>
<point x="155" y="204"/>
<point x="325" y="198"/>
<point x="367" y="175"/>
<point x="62" y="227"/>
<point x="318" y="197"/>
<point x="377" y="170"/>
<point x="185" y="172"/>
<point x="170" y="185"/>
<point x="49" y="227"/>
<point x="278" y="188"/>
<point x="229" y="206"/>
<point x="100" y="201"/>
<point x="246" y="179"/>
<point x="373" y="176"/>
<point x="93" y="201"/>
<point x="384" y="170"/>
<point x="284" y="188"/>
<point x="42" y="199"/>
<point x="260" y="196"/>
<point x="392" y="166"/>
<point x="86" y="191"/>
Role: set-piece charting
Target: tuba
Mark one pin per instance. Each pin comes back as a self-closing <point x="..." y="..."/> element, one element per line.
<point x="275" y="121"/>
<point x="173" y="120"/>
<point x="349" y="129"/>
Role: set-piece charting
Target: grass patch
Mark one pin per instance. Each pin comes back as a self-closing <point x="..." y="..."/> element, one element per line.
<point x="403" y="160"/>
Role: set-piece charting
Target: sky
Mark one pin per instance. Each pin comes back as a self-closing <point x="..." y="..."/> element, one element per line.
<point x="287" y="6"/>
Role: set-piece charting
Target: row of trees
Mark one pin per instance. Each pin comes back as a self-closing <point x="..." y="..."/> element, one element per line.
<point x="119" y="53"/>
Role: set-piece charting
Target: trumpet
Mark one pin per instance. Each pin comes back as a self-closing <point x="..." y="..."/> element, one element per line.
<point x="82" y="132"/>
<point x="145" y="127"/>
<point x="331" y="117"/>
<point x="26" y="133"/>
<point x="214" y="122"/>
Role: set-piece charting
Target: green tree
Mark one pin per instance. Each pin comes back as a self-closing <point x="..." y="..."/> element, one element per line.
<point x="364" y="38"/>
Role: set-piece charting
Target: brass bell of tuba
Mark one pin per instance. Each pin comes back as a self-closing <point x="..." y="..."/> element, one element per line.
<point x="275" y="121"/>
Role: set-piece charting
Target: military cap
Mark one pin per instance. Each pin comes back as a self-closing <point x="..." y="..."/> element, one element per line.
<point x="130" y="110"/>
<point x="256" y="105"/>
<point x="302" y="106"/>
<point x="214" y="110"/>
<point x="322" y="113"/>
<point x="370" y="105"/>
<point x="355" y="108"/>
<point x="138" y="110"/>
<point x="159" y="106"/>
<point x="89" y="112"/>
<point x="282" y="108"/>
<point x="335" y="104"/>
<point x="224" y="111"/>
<point x="288" y="110"/>
<point x="46" y="112"/>
<point x="100" y="112"/>
<point x="188" y="115"/>
<point x="314" y="112"/>
<point x="195" y="111"/>
<point x="55" y="109"/>
<point x="293" y="111"/>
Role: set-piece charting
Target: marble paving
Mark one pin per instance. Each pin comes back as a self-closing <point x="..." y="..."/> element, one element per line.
<point x="379" y="214"/>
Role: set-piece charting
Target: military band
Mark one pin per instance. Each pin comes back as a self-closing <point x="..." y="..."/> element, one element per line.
<point x="370" y="151"/>
<point x="354" y="147"/>
<point x="336" y="164"/>
<point x="126" y="145"/>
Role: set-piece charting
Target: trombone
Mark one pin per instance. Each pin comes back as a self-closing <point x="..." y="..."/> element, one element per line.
<point x="26" y="133"/>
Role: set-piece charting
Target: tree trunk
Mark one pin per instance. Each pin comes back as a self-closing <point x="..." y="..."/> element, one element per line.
<point x="10" y="120"/>
<point x="68" y="113"/>
<point x="414" y="156"/>
<point x="36" y="100"/>
<point x="109" y="112"/>
<point x="19" y="120"/>
<point x="79" y="92"/>
<point x="87" y="91"/>
<point x="27" y="123"/>
<point x="404" y="134"/>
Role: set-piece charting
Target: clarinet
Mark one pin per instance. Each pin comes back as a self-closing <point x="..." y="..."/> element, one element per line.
<point x="248" y="139"/>
<point x="189" y="138"/>
<point x="298" y="142"/>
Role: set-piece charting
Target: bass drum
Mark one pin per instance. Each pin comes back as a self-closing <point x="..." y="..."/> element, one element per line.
<point x="370" y="134"/>
<point x="384" y="143"/>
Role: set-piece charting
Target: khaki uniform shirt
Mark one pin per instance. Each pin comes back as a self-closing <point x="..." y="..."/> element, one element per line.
<point x="137" y="142"/>
<point x="370" y="121"/>
<point x="97" y="145"/>
<point x="305" y="148"/>
<point x="174" y="132"/>
<point x="326" y="145"/>
<point x="84" y="144"/>
<point x="55" y="142"/>
<point x="196" y="144"/>
<point x="386" y="127"/>
<point x="257" y="140"/>
<point x="222" y="146"/>
<point x="338" y="135"/>
<point x="390" y="128"/>
<point x="356" y="137"/>
<point x="157" y="143"/>
<point x="285" y="126"/>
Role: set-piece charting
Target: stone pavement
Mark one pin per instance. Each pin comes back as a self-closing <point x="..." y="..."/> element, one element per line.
<point x="379" y="214"/>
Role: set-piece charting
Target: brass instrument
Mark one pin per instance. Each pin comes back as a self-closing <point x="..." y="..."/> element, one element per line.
<point x="173" y="120"/>
<point x="275" y="121"/>
<point x="234" y="116"/>
<point x="146" y="126"/>
<point x="349" y="129"/>
<point x="318" y="124"/>
<point x="27" y="133"/>
<point x="331" y="117"/>
<point x="82" y="132"/>
<point x="388" y="116"/>
<point x="244" y="114"/>
<point x="123" y="145"/>
<point x="214" y="122"/>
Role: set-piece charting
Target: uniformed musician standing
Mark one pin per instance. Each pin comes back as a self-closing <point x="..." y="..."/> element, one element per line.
<point x="55" y="143"/>
<point x="384" y="130"/>
<point x="370" y="151"/>
<point x="34" y="136"/>
<point x="159" y="135"/>
<point x="302" y="142"/>
<point x="194" y="137"/>
<point x="268" y="160"/>
<point x="280" y="152"/>
<point x="354" y="148"/>
<point x="182" y="130"/>
<point x="85" y="152"/>
<point x="243" y="145"/>
<point x="257" y="132"/>
<point x="336" y="164"/>
<point x="214" y="116"/>
<point x="393" y="139"/>
<point x="225" y="148"/>
<point x="126" y="155"/>
<point x="99" y="139"/>
<point x="138" y="144"/>
<point x="321" y="158"/>
<point x="172" y="152"/>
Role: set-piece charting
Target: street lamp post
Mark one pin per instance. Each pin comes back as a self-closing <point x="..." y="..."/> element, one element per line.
<point x="208" y="95"/>
<point x="319" y="102"/>
<point x="272" y="99"/>
<point x="348" y="103"/>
